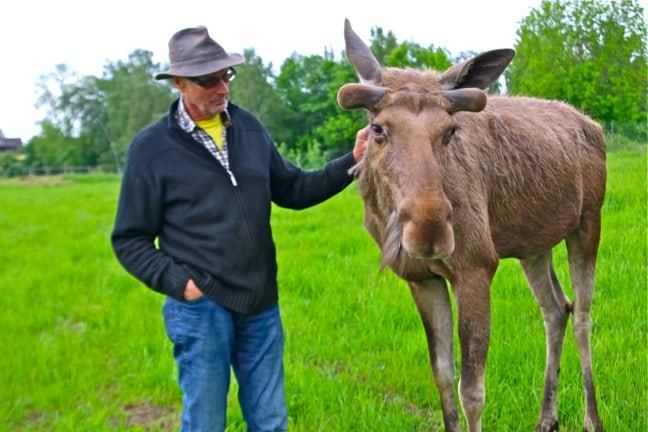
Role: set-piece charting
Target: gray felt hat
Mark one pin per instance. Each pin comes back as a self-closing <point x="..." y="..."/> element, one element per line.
<point x="193" y="53"/>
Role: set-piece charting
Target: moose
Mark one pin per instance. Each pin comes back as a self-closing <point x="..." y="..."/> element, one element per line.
<point x="454" y="180"/>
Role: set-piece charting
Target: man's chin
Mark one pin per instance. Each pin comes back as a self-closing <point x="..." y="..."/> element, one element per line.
<point x="220" y="107"/>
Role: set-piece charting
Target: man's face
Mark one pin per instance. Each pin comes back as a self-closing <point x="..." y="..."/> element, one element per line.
<point x="205" y="96"/>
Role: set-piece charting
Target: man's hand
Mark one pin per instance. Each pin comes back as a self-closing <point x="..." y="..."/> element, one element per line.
<point x="361" y="143"/>
<point x="191" y="291"/>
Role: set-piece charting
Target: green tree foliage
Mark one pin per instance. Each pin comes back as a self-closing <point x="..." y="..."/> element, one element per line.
<point x="68" y="99"/>
<point x="411" y="54"/>
<point x="56" y="88"/>
<point x="49" y="148"/>
<point x="389" y="52"/>
<point x="308" y="87"/>
<point x="382" y="44"/>
<point x="591" y="54"/>
<point x="91" y="120"/>
<point x="253" y="90"/>
<point x="132" y="100"/>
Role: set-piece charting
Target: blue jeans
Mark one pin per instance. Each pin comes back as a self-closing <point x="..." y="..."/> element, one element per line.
<point x="207" y="340"/>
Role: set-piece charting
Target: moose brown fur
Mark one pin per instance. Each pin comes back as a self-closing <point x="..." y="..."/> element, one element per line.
<point x="453" y="181"/>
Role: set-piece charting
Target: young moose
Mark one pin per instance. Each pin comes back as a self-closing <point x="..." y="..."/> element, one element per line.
<point x="452" y="182"/>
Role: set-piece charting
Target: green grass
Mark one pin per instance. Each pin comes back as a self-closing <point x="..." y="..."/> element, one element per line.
<point x="83" y="346"/>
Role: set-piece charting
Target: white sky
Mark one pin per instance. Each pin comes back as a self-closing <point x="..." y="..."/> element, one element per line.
<point x="36" y="35"/>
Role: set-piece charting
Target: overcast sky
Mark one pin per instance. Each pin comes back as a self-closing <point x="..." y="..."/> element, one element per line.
<point x="37" y="35"/>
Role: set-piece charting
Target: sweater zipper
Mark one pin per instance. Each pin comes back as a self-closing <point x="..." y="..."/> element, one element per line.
<point x="231" y="174"/>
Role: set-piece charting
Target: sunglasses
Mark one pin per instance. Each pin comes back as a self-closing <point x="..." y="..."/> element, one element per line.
<point x="213" y="82"/>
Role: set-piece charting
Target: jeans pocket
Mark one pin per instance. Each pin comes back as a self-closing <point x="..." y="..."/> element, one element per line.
<point x="186" y="319"/>
<point x="174" y="313"/>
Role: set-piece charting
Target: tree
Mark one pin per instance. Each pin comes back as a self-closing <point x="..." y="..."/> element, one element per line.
<point x="132" y="100"/>
<point x="91" y="120"/>
<point x="47" y="149"/>
<point x="591" y="54"/>
<point x="382" y="44"/>
<point x="70" y="101"/>
<point x="253" y="91"/>
<point x="411" y="54"/>
<point x="307" y="86"/>
<point x="57" y="89"/>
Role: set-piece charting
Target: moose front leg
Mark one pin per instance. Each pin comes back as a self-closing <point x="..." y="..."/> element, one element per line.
<point x="433" y="303"/>
<point x="472" y="294"/>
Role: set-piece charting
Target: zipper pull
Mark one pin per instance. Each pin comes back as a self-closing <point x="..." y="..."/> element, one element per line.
<point x="231" y="174"/>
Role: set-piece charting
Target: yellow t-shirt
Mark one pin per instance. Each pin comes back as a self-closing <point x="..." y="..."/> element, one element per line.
<point x="214" y="127"/>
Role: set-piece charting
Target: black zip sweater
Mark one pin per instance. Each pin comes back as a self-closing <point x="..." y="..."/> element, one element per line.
<point x="207" y="228"/>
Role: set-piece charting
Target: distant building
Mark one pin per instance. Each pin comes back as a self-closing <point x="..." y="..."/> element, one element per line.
<point x="10" y="144"/>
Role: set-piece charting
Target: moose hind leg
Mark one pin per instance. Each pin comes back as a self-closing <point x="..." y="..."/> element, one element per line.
<point x="555" y="307"/>
<point x="582" y="248"/>
<point x="433" y="303"/>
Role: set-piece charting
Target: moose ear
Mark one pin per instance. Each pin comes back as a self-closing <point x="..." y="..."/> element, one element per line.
<point x="360" y="56"/>
<point x="354" y="96"/>
<point x="480" y="71"/>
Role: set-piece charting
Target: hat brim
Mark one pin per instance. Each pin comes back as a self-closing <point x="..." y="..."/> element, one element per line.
<point x="199" y="67"/>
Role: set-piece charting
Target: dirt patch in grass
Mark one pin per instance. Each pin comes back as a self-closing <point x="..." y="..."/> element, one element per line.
<point x="152" y="417"/>
<point x="32" y="180"/>
<point x="144" y="415"/>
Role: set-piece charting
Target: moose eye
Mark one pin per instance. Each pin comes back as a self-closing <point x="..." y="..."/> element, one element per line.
<point x="377" y="129"/>
<point x="448" y="136"/>
<point x="379" y="133"/>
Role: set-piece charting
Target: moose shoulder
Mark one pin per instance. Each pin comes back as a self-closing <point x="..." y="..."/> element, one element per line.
<point x="452" y="181"/>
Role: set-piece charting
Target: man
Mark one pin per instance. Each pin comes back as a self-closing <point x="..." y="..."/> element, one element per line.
<point x="200" y="181"/>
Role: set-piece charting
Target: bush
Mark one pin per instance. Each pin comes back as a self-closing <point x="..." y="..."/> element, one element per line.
<point x="626" y="136"/>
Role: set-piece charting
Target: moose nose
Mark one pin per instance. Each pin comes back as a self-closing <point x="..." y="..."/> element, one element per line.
<point x="427" y="230"/>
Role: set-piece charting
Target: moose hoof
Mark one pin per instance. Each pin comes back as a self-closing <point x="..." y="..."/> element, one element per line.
<point x="547" y="426"/>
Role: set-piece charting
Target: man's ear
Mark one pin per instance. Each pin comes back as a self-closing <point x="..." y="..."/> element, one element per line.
<point x="178" y="82"/>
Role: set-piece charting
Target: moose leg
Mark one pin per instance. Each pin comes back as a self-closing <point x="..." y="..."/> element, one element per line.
<point x="433" y="303"/>
<point x="472" y="294"/>
<point x="582" y="248"/>
<point x="555" y="307"/>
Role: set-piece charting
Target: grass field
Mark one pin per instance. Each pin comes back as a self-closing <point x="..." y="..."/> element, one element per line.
<point x="83" y="346"/>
